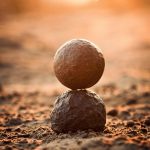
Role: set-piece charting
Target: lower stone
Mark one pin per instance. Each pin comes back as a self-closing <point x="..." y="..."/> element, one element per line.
<point x="78" y="110"/>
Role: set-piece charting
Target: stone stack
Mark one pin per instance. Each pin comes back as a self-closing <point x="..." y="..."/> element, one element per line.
<point x="78" y="64"/>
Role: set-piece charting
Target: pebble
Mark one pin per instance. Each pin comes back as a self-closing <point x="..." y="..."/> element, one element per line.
<point x="125" y="115"/>
<point x="143" y="130"/>
<point x="130" y="124"/>
<point x="147" y="122"/>
<point x="113" y="112"/>
<point x="14" y="122"/>
<point x="131" y="102"/>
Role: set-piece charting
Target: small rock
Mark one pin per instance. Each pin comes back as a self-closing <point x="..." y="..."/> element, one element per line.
<point x="24" y="135"/>
<point x="14" y="122"/>
<point x="17" y="129"/>
<point x="8" y="129"/>
<point x="113" y="112"/>
<point x="147" y="122"/>
<point x="143" y="130"/>
<point x="125" y="115"/>
<point x="130" y="124"/>
<point x="131" y="102"/>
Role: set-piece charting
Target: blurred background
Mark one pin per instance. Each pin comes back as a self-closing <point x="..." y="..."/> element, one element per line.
<point x="32" y="30"/>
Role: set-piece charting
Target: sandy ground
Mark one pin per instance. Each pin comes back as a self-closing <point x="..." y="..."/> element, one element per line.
<point x="28" y="87"/>
<point x="24" y="122"/>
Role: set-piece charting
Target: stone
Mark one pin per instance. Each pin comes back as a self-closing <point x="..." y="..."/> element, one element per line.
<point x="78" y="110"/>
<point x="78" y="64"/>
<point x="130" y="123"/>
<point x="147" y="122"/>
<point x="113" y="112"/>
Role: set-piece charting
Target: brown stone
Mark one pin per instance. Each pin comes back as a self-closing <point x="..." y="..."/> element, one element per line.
<point x="130" y="123"/>
<point x="78" y="110"/>
<point x="113" y="112"/>
<point x="78" y="64"/>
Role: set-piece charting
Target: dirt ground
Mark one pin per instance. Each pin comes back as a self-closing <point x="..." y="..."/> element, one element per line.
<point x="24" y="122"/>
<point x="28" y="87"/>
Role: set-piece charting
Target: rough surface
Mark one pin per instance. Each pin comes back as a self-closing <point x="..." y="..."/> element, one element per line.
<point x="78" y="110"/>
<point x="78" y="64"/>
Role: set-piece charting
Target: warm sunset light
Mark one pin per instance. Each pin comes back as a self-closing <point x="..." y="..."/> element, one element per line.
<point x="74" y="74"/>
<point x="78" y="2"/>
<point x="73" y="2"/>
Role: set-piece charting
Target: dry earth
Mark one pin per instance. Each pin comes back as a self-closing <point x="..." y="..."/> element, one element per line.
<point x="28" y="87"/>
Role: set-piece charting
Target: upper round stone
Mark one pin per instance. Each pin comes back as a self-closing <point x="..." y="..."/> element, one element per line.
<point x="78" y="64"/>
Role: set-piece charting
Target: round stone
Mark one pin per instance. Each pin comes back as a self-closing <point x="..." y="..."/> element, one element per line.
<point x="78" y="64"/>
<point x="78" y="110"/>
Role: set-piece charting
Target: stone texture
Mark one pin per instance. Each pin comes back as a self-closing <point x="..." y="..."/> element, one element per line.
<point x="78" y="110"/>
<point x="78" y="64"/>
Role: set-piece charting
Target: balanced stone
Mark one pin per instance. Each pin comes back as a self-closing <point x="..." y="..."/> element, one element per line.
<point x="78" y="110"/>
<point x="78" y="64"/>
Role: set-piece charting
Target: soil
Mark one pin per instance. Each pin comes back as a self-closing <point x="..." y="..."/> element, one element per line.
<point x="25" y="122"/>
<point x="28" y="87"/>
